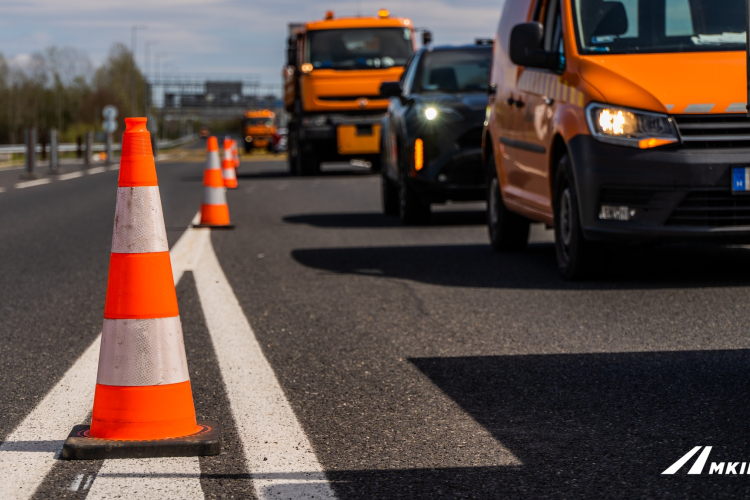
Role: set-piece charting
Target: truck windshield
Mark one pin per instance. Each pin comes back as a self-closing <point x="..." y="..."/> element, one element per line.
<point x="259" y="122"/>
<point x="637" y="26"/>
<point x="455" y="71"/>
<point x="368" y="48"/>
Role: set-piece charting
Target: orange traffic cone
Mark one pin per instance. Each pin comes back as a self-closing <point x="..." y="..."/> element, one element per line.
<point x="227" y="166"/>
<point x="214" y="210"/>
<point x="143" y="403"/>
<point x="235" y="155"/>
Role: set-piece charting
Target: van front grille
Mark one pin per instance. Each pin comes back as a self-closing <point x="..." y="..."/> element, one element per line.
<point x="712" y="208"/>
<point x="714" y="131"/>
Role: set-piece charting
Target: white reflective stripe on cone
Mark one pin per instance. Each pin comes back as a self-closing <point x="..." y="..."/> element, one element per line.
<point x="214" y="196"/>
<point x="139" y="221"/>
<point x="228" y="173"/>
<point x="139" y="352"/>
<point x="212" y="161"/>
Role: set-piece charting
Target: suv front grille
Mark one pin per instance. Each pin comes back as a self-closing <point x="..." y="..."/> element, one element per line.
<point x="471" y="139"/>
<point x="636" y="198"/>
<point x="714" y="131"/>
<point x="711" y="208"/>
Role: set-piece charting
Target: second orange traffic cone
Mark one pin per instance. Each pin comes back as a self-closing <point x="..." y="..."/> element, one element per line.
<point x="235" y="155"/>
<point x="214" y="209"/>
<point x="143" y="403"/>
<point x="227" y="166"/>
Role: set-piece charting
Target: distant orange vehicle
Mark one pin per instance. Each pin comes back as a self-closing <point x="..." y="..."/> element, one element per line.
<point x="332" y="80"/>
<point x="259" y="129"/>
<point x="618" y="121"/>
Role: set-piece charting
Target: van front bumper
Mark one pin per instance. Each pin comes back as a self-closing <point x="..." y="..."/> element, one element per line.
<point x="672" y="193"/>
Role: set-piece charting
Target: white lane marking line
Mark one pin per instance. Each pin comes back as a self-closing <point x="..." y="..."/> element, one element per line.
<point x="76" y="483"/>
<point x="278" y="453"/>
<point x="30" y="451"/>
<point x="162" y="478"/>
<point x="2" y="190"/>
<point x="28" y="184"/>
<point x="115" y="167"/>
<point x="72" y="175"/>
<point x="96" y="170"/>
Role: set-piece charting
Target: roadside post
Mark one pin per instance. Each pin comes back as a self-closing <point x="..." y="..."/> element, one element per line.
<point x="87" y="153"/>
<point x="30" y="140"/>
<point x="54" y="160"/>
<point x="747" y="52"/>
<point x="109" y="113"/>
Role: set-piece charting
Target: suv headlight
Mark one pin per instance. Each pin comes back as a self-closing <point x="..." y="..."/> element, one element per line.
<point x="630" y="127"/>
<point x="438" y="113"/>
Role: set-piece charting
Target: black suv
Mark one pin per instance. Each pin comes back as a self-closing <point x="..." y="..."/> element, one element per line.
<point x="432" y="133"/>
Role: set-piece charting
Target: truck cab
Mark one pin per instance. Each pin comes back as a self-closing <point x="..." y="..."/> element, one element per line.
<point x="259" y="129"/>
<point x="335" y="67"/>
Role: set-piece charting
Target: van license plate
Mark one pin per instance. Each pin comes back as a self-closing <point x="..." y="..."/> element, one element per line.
<point x="741" y="180"/>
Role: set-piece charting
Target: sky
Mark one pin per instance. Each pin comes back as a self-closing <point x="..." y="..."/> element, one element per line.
<point x="214" y="37"/>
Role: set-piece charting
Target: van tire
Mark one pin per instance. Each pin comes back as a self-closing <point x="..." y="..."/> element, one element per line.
<point x="508" y="231"/>
<point x="577" y="257"/>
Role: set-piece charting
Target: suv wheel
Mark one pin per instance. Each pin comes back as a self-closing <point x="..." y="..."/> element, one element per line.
<point x="412" y="210"/>
<point x="509" y="232"/>
<point x="577" y="258"/>
<point x="388" y="191"/>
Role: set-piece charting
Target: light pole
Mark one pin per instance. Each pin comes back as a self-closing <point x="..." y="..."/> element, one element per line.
<point x="133" y="92"/>
<point x="147" y="71"/>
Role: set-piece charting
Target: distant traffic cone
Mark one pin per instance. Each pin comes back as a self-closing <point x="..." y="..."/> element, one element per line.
<point x="235" y="155"/>
<point x="227" y="166"/>
<point x="143" y="403"/>
<point x="214" y="210"/>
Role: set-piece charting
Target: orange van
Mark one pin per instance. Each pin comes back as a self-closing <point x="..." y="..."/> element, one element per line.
<point x="618" y="121"/>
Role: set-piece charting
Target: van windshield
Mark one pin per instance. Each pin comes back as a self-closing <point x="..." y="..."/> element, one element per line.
<point x="365" y="48"/>
<point x="259" y="122"/>
<point x="638" y="26"/>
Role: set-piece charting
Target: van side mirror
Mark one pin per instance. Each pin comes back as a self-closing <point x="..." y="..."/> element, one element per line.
<point x="526" y="48"/>
<point x="390" y="89"/>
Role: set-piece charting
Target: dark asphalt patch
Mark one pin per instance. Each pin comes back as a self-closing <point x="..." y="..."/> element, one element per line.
<point x="226" y="475"/>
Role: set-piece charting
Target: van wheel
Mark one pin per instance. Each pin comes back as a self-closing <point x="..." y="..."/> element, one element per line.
<point x="509" y="232"/>
<point x="577" y="257"/>
<point x="412" y="210"/>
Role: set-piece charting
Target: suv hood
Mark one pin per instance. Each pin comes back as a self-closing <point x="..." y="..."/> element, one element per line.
<point x="676" y="83"/>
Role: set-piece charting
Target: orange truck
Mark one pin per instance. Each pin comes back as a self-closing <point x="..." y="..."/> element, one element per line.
<point x="259" y="129"/>
<point x="332" y="86"/>
<point x="618" y="121"/>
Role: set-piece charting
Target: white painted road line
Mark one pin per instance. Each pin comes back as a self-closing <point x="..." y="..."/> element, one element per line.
<point x="2" y="190"/>
<point x="28" y="453"/>
<point x="72" y="175"/>
<point x="115" y="167"/>
<point x="278" y="454"/>
<point x="162" y="478"/>
<point x="96" y="170"/>
<point x="28" y="184"/>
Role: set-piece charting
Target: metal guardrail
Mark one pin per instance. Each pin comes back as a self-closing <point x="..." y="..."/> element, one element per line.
<point x="71" y="147"/>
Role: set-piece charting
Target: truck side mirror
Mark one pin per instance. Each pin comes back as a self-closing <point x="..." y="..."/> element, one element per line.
<point x="426" y="37"/>
<point x="291" y="53"/>
<point x="526" y="48"/>
<point x="390" y="89"/>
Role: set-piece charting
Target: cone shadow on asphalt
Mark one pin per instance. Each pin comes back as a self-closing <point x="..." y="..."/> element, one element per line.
<point x="476" y="265"/>
<point x="603" y="425"/>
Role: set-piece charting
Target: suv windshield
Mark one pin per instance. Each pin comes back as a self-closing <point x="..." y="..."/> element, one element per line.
<point x="455" y="71"/>
<point x="633" y="26"/>
<point x="369" y="48"/>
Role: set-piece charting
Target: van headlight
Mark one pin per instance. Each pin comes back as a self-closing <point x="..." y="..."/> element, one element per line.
<point x="629" y="127"/>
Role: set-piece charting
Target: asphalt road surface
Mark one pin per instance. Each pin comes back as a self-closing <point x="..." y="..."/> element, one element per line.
<point x="401" y="362"/>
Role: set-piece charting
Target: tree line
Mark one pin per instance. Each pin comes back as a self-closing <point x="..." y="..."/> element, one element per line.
<point x="60" y="88"/>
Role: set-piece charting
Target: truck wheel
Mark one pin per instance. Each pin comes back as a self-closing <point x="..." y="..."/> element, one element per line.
<point x="293" y="156"/>
<point x="577" y="258"/>
<point x="412" y="210"/>
<point x="308" y="164"/>
<point x="509" y="232"/>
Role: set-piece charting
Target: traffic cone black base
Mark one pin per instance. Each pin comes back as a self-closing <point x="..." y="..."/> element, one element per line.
<point x="211" y="226"/>
<point x="80" y="446"/>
